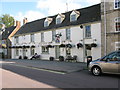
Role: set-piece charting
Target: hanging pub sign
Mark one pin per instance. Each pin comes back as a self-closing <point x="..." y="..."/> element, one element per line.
<point x="58" y="38"/>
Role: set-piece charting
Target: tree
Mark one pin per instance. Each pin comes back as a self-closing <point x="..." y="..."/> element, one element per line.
<point x="7" y="20"/>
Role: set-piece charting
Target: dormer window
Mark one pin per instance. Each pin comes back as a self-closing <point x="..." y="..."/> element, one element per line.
<point x="60" y="18"/>
<point x="47" y="22"/>
<point x="74" y="15"/>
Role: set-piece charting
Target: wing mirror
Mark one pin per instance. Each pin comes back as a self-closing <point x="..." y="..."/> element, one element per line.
<point x="107" y="59"/>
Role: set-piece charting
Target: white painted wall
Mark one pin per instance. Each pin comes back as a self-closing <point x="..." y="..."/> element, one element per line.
<point x="76" y="37"/>
<point x="96" y="34"/>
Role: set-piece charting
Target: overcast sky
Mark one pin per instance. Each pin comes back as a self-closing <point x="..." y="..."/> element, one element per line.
<point x="36" y="9"/>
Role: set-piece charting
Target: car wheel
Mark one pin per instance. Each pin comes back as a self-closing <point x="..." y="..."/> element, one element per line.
<point x="96" y="71"/>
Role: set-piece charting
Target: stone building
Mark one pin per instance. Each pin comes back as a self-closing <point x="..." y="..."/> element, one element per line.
<point x="110" y="24"/>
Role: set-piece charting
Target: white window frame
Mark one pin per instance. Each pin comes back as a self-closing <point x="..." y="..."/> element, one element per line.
<point x="68" y="51"/>
<point x="118" y="2"/>
<point x="73" y="17"/>
<point x="117" y="45"/>
<point x="58" y="20"/>
<point x="46" y="24"/>
<point x="24" y="37"/>
<point x="32" y="38"/>
<point x="68" y="34"/>
<point x="42" y="37"/>
<point x="32" y="51"/>
<point x="117" y="20"/>
<point x="16" y="39"/>
<point x="53" y="35"/>
<point x="45" y="50"/>
<point x="87" y="34"/>
<point x="17" y="52"/>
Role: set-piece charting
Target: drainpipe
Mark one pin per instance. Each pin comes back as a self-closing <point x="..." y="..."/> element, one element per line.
<point x="105" y="28"/>
<point x="83" y="42"/>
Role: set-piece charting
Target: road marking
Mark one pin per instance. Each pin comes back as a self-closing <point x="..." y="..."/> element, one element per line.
<point x="6" y="62"/>
<point x="30" y="67"/>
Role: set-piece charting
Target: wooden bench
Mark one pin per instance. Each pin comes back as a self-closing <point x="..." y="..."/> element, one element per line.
<point x="70" y="58"/>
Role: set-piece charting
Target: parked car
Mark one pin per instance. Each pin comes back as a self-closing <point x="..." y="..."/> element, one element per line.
<point x="107" y="64"/>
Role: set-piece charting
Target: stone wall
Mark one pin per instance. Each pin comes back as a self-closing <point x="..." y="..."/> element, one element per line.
<point x="111" y="35"/>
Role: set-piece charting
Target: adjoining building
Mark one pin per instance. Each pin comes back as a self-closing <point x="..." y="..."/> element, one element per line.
<point x="110" y="19"/>
<point x="77" y="32"/>
<point x="6" y="35"/>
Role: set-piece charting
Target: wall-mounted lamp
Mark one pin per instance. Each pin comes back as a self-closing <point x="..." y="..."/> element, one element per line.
<point x="81" y="26"/>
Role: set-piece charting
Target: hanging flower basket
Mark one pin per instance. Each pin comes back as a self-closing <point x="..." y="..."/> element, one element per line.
<point x="19" y="46"/>
<point x="50" y="46"/>
<point x="27" y="46"/>
<point x="24" y="46"/>
<point x="62" y="46"/>
<point x="32" y="46"/>
<point x="13" y="47"/>
<point x="93" y="45"/>
<point x="79" y="45"/>
<point x="68" y="45"/>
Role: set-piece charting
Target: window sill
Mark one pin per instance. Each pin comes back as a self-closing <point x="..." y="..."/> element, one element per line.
<point x="44" y="53"/>
<point x="88" y="37"/>
<point x="68" y="40"/>
<point x="116" y="32"/>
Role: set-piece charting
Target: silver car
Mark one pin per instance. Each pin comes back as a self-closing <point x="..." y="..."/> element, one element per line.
<point x="107" y="64"/>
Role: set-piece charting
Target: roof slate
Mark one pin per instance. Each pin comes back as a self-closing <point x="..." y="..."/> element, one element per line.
<point x="88" y="14"/>
<point x="7" y="32"/>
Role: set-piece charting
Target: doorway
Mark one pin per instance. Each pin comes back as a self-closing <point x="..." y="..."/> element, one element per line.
<point x="24" y="52"/>
<point x="57" y="52"/>
<point x="87" y="50"/>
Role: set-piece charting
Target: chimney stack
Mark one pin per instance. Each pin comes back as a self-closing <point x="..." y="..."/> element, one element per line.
<point x="18" y="23"/>
<point x="25" y="21"/>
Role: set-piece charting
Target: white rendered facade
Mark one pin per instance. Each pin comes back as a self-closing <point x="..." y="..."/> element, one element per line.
<point x="76" y="36"/>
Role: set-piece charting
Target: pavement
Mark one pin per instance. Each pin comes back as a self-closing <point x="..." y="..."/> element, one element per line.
<point x="8" y="80"/>
<point x="60" y="66"/>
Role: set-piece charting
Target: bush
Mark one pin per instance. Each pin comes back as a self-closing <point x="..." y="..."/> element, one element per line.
<point x="25" y="57"/>
<point x="51" y="58"/>
<point x="20" y="57"/>
<point x="61" y="58"/>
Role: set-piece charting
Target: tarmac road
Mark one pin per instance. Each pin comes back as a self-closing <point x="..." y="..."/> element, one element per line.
<point x="80" y="79"/>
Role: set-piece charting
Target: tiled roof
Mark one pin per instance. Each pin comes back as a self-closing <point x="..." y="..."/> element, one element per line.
<point x="7" y="32"/>
<point x="88" y="14"/>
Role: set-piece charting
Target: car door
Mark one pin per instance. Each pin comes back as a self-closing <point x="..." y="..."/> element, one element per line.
<point x="111" y="65"/>
<point x="118" y="54"/>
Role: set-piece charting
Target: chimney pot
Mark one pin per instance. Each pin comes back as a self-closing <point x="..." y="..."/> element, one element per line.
<point x="25" y="21"/>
